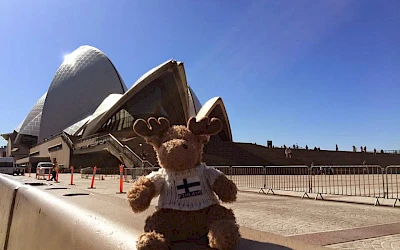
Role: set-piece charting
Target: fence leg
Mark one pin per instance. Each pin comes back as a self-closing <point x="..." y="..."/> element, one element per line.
<point x="377" y="202"/>
<point x="262" y="190"/>
<point x="305" y="194"/>
<point x="270" y="189"/>
<point x="316" y="197"/>
<point x="265" y="181"/>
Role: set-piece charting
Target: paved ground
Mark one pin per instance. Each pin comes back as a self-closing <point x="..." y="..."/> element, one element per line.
<point x="385" y="242"/>
<point x="339" y="225"/>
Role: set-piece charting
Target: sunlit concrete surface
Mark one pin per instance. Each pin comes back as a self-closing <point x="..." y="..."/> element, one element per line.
<point x="105" y="205"/>
<point x="341" y="222"/>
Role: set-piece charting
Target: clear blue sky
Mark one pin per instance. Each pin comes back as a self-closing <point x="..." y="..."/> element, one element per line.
<point x="306" y="72"/>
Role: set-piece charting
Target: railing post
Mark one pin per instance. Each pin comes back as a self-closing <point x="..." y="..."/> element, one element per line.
<point x="383" y="181"/>
<point x="265" y="176"/>
<point x="387" y="182"/>
<point x="265" y="180"/>
<point x="125" y="175"/>
<point x="309" y="179"/>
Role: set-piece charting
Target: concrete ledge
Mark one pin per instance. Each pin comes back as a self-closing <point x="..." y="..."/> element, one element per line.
<point x="254" y="239"/>
<point x="8" y="190"/>
<point x="43" y="221"/>
<point x="45" y="218"/>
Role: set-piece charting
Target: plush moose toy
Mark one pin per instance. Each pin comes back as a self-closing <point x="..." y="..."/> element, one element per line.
<point x="188" y="208"/>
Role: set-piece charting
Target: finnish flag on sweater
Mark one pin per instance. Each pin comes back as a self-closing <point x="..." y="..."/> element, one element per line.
<point x="189" y="187"/>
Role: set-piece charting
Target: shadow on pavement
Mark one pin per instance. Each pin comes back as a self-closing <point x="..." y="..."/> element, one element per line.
<point x="251" y="244"/>
<point x="244" y="244"/>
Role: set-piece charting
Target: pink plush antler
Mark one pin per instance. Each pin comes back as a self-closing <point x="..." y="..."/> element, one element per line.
<point x="152" y="127"/>
<point x="205" y="126"/>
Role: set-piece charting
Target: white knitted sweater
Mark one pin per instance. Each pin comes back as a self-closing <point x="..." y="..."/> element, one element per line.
<point x="186" y="190"/>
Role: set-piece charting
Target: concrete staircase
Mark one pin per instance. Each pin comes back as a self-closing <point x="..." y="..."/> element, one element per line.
<point x="122" y="152"/>
<point x="125" y="154"/>
<point x="225" y="153"/>
<point x="247" y="154"/>
<point x="145" y="150"/>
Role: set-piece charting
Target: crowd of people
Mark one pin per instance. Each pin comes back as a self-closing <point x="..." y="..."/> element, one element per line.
<point x="364" y="149"/>
<point x="288" y="150"/>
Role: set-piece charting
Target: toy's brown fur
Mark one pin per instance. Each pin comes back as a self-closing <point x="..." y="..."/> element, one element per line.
<point x="141" y="194"/>
<point x="179" y="148"/>
<point x="225" y="189"/>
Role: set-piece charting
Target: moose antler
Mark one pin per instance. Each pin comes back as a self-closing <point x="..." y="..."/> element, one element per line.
<point x="205" y="126"/>
<point x="152" y="127"/>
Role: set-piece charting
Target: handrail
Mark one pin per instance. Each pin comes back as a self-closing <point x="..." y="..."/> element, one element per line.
<point x="63" y="136"/>
<point x="87" y="138"/>
<point x="128" y="152"/>
<point x="391" y="152"/>
<point x="67" y="140"/>
<point x="116" y="144"/>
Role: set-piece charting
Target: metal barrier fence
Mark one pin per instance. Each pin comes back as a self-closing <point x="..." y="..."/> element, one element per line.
<point x="358" y="180"/>
<point x="131" y="174"/>
<point x="43" y="173"/>
<point x="106" y="172"/>
<point x="252" y="177"/>
<point x="393" y="183"/>
<point x="287" y="178"/>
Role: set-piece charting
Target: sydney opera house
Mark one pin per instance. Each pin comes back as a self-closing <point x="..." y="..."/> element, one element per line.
<point x="85" y="118"/>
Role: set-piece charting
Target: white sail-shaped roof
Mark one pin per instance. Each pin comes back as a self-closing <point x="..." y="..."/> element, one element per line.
<point x="31" y="124"/>
<point x="81" y="83"/>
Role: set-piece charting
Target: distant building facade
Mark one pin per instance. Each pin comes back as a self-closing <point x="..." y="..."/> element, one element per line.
<point x="3" y="151"/>
<point x="88" y="104"/>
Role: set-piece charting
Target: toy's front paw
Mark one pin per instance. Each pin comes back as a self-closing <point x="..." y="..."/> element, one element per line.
<point x="141" y="194"/>
<point x="152" y="241"/>
<point x="225" y="189"/>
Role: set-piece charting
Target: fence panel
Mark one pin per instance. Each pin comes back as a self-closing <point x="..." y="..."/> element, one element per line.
<point x="287" y="178"/>
<point x="393" y="182"/>
<point x="225" y="169"/>
<point x="112" y="173"/>
<point x="248" y="176"/>
<point x="132" y="174"/>
<point x="357" y="180"/>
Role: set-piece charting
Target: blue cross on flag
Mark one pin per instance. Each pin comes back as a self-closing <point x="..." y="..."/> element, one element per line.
<point x="189" y="187"/>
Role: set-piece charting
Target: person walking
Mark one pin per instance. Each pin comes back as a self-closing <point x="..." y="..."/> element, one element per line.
<point x="53" y="173"/>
